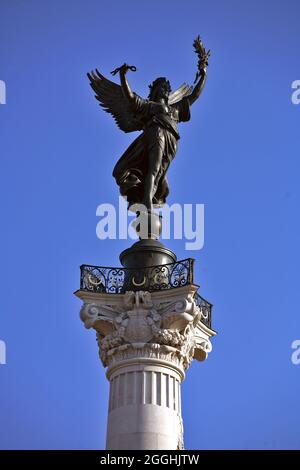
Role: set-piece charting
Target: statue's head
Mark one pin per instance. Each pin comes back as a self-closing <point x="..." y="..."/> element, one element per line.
<point x="160" y="88"/>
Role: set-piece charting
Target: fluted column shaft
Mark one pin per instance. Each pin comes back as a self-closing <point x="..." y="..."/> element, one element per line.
<point x="144" y="407"/>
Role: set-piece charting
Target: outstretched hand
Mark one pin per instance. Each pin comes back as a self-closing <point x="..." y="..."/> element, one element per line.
<point x="123" y="69"/>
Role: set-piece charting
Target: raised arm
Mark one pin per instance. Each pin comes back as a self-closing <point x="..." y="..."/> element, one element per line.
<point x="200" y="79"/>
<point x="125" y="86"/>
<point x="128" y="93"/>
<point x="198" y="87"/>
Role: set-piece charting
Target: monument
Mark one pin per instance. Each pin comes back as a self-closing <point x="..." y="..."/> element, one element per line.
<point x="149" y="317"/>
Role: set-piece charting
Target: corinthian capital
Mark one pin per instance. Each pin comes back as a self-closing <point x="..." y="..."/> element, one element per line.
<point x="165" y="324"/>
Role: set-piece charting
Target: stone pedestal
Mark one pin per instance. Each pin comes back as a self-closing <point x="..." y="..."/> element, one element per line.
<point x="147" y="341"/>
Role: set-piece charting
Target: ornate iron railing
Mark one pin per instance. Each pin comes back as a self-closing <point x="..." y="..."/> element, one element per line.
<point x="111" y="280"/>
<point x="118" y="280"/>
<point x="206" y="309"/>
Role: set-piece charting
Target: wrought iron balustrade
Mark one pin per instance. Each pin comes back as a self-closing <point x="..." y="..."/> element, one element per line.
<point x="206" y="309"/>
<point x="118" y="280"/>
<point x="112" y="280"/>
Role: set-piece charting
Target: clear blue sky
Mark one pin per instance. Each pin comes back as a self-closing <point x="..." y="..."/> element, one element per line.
<point x="239" y="156"/>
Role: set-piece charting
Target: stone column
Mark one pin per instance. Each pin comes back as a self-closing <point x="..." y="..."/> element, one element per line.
<point x="146" y="341"/>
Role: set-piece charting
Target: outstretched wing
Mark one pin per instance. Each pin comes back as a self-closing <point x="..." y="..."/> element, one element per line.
<point x="113" y="101"/>
<point x="180" y="93"/>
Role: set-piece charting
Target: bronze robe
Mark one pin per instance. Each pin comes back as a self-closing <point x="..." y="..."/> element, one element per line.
<point x="160" y="129"/>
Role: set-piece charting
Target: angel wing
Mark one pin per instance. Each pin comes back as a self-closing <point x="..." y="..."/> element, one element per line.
<point x="113" y="101"/>
<point x="177" y="95"/>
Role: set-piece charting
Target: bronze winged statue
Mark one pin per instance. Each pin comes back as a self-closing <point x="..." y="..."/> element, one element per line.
<point x="141" y="170"/>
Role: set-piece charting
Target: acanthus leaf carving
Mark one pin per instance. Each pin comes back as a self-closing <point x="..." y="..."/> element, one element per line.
<point x="137" y="320"/>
